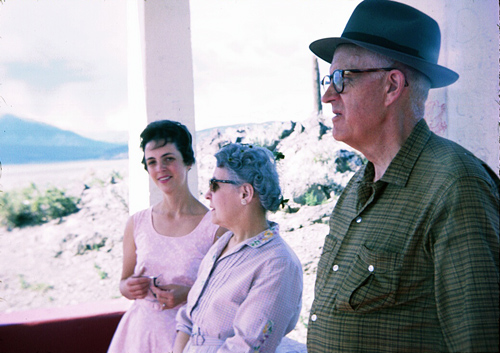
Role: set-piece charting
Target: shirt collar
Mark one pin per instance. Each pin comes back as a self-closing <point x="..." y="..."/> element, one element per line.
<point x="402" y="165"/>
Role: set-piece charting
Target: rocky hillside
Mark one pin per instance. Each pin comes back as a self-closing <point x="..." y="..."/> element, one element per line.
<point x="315" y="167"/>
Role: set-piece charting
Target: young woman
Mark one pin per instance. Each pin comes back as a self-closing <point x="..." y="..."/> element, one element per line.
<point x="162" y="245"/>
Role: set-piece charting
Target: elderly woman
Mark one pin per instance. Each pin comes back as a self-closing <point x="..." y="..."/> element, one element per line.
<point x="249" y="288"/>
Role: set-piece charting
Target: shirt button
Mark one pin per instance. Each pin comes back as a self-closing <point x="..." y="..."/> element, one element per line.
<point x="335" y="268"/>
<point x="358" y="220"/>
<point x="314" y="317"/>
<point x="371" y="268"/>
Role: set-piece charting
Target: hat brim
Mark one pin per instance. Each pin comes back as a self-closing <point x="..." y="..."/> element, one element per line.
<point x="438" y="75"/>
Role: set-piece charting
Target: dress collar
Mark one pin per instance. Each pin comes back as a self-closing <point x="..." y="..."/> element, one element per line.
<point x="255" y="242"/>
<point x="264" y="237"/>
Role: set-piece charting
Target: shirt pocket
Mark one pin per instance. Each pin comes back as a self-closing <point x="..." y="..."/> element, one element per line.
<point x="371" y="283"/>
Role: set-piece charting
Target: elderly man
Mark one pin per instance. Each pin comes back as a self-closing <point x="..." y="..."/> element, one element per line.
<point x="411" y="260"/>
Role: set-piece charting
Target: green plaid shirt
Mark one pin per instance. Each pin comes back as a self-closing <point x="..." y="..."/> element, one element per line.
<point x="411" y="261"/>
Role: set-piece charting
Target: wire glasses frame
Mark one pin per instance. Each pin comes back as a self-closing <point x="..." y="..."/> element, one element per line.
<point x="337" y="77"/>
<point x="214" y="186"/>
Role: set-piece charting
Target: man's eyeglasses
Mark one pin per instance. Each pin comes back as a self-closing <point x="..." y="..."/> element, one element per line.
<point x="337" y="77"/>
<point x="214" y="186"/>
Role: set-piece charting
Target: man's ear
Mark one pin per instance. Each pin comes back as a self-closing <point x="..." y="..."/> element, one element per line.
<point x="396" y="84"/>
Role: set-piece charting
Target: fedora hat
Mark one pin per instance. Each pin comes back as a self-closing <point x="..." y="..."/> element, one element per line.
<point x="396" y="30"/>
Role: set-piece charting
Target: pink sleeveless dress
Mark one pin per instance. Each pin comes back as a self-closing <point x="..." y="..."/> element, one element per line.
<point x="145" y="327"/>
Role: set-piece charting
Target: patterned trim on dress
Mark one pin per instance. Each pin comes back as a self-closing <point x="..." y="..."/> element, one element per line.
<point x="264" y="237"/>
<point x="266" y="332"/>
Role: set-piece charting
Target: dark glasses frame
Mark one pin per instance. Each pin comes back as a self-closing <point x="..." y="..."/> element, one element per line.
<point x="213" y="186"/>
<point x="337" y="77"/>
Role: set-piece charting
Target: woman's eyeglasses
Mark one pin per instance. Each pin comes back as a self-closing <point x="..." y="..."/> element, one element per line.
<point x="214" y="186"/>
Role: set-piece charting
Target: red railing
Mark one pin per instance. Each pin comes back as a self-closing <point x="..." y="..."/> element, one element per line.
<point x="82" y="328"/>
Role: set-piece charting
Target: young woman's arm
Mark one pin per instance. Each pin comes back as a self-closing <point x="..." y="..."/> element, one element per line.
<point x="132" y="286"/>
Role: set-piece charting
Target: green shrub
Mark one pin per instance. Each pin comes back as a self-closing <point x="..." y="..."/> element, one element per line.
<point x="311" y="199"/>
<point x="37" y="287"/>
<point x="102" y="274"/>
<point x="31" y="206"/>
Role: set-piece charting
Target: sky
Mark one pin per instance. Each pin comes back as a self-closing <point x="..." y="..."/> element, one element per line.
<point x="64" y="63"/>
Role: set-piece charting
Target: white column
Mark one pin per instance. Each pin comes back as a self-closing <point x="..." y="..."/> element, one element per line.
<point x="160" y="83"/>
<point x="467" y="112"/>
<point x="473" y="102"/>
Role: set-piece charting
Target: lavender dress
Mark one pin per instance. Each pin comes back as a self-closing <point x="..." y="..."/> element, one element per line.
<point x="145" y="327"/>
<point x="245" y="300"/>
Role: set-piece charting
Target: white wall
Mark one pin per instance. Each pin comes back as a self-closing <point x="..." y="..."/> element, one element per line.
<point x="467" y="112"/>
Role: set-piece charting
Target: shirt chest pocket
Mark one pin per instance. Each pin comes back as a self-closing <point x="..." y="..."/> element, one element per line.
<point x="371" y="283"/>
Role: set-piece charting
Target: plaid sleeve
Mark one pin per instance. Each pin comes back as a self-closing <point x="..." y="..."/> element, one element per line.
<point x="466" y="256"/>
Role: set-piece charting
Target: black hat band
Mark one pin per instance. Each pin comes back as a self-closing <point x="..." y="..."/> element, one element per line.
<point x="382" y="42"/>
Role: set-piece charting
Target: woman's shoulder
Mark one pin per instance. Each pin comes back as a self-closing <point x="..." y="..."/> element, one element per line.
<point x="141" y="218"/>
<point x="285" y="251"/>
<point x="273" y="244"/>
<point x="139" y="215"/>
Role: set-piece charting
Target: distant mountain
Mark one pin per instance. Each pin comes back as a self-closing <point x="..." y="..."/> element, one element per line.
<point x="26" y="141"/>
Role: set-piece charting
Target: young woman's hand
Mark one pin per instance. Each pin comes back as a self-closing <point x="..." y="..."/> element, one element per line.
<point x="135" y="286"/>
<point x="171" y="295"/>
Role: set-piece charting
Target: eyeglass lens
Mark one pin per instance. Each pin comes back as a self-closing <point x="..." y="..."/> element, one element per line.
<point x="213" y="186"/>
<point x="337" y="78"/>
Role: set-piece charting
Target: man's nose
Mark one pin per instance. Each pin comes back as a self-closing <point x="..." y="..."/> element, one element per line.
<point x="329" y="95"/>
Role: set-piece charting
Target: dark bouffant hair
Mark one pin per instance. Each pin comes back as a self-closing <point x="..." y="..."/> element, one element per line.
<point x="168" y="131"/>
